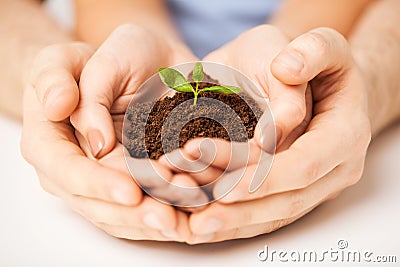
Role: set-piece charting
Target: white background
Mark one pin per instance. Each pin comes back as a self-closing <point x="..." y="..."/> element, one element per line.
<point x="36" y="229"/>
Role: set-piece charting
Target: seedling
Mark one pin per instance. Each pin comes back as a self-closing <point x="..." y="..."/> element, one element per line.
<point x="175" y="80"/>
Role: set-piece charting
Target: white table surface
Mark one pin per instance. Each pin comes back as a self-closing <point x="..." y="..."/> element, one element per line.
<point x="37" y="229"/>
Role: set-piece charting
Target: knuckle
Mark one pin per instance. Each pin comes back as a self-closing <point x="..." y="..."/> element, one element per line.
<point x="108" y="229"/>
<point x="326" y="31"/>
<point x="358" y="135"/>
<point x="308" y="172"/>
<point x="130" y="31"/>
<point x="235" y="233"/>
<point x="298" y="109"/>
<point x="356" y="173"/>
<point x="45" y="185"/>
<point x="25" y="152"/>
<point x="75" y="185"/>
<point x="275" y="225"/>
<point x="318" y="43"/>
<point x="265" y="28"/>
<point x="323" y="39"/>
<point x="126" y="27"/>
<point x="26" y="148"/>
<point x="333" y="196"/>
<point x="263" y="33"/>
<point x="365" y="134"/>
<point x="296" y="205"/>
<point x="43" y="58"/>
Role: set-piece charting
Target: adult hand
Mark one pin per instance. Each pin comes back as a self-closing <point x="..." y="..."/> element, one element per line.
<point x="291" y="105"/>
<point x="252" y="54"/>
<point x="318" y="165"/>
<point x="115" y="72"/>
<point x="50" y="143"/>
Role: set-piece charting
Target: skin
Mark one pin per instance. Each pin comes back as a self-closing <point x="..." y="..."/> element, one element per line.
<point x="340" y="15"/>
<point x="60" y="135"/>
<point x="95" y="20"/>
<point x="340" y="117"/>
<point x="22" y="39"/>
<point x="350" y="100"/>
<point x="89" y="185"/>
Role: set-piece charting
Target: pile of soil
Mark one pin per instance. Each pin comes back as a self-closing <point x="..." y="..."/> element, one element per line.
<point x="150" y="132"/>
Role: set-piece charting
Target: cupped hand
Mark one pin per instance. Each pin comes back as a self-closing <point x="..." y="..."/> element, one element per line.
<point x="252" y="54"/>
<point x="321" y="163"/>
<point x="290" y="105"/>
<point x="113" y="74"/>
<point x="63" y="160"/>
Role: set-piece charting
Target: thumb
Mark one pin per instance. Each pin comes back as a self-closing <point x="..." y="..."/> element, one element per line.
<point x="322" y="50"/>
<point x="92" y="118"/>
<point x="121" y="64"/>
<point x="54" y="77"/>
<point x="252" y="53"/>
<point x="288" y="109"/>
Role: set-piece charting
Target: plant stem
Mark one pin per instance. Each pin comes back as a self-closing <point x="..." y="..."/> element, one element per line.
<point x="196" y="92"/>
<point x="195" y="100"/>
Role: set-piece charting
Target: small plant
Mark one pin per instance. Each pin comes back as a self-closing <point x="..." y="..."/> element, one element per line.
<point x="175" y="80"/>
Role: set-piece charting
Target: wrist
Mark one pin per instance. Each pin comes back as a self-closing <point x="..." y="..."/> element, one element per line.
<point x="383" y="101"/>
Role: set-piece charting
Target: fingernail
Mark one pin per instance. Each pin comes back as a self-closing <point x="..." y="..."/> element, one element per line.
<point x="96" y="142"/>
<point x="172" y="234"/>
<point x="233" y="196"/>
<point x="122" y="197"/>
<point x="53" y="97"/>
<point x="203" y="238"/>
<point x="152" y="221"/>
<point x="291" y="60"/>
<point x="212" y="225"/>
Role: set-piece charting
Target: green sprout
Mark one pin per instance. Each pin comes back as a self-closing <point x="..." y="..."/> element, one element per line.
<point x="175" y="80"/>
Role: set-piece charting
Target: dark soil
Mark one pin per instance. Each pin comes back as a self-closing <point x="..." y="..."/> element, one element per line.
<point x="155" y="128"/>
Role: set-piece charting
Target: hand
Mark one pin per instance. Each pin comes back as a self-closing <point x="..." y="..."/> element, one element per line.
<point x="115" y="72"/>
<point x="321" y="163"/>
<point x="291" y="105"/>
<point x="252" y="54"/>
<point x="50" y="144"/>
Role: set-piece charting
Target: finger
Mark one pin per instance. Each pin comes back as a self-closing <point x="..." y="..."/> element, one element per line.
<point x="288" y="109"/>
<point x="178" y="162"/>
<point x="150" y="214"/>
<point x="286" y="102"/>
<point x="48" y="184"/>
<point x="301" y="128"/>
<point x="55" y="76"/>
<point x="245" y="231"/>
<point x="302" y="164"/>
<point x="120" y="65"/>
<point x="222" y="154"/>
<point x="319" y="50"/>
<point x="149" y="173"/>
<point x="148" y="234"/>
<point x="218" y="217"/>
<point x="159" y="182"/>
<point x="182" y="191"/>
<point x="54" y="151"/>
<point x="132" y="233"/>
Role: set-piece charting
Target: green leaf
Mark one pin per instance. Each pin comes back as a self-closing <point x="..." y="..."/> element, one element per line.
<point x="175" y="80"/>
<point x="198" y="74"/>
<point x="225" y="89"/>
